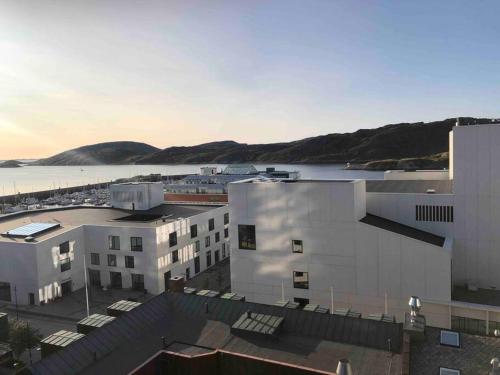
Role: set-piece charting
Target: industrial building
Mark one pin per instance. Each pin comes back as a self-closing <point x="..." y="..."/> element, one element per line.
<point x="139" y="242"/>
<point x="368" y="245"/>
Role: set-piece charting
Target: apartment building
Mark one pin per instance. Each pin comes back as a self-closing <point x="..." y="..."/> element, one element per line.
<point x="43" y="252"/>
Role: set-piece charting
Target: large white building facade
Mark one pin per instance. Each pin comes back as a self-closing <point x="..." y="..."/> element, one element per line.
<point x="138" y="249"/>
<point x="372" y="244"/>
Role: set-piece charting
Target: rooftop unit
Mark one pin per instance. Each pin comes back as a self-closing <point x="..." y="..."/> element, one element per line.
<point x="121" y="307"/>
<point x="58" y="341"/>
<point x="92" y="322"/>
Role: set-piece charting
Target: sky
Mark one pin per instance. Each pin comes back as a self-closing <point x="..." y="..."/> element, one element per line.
<point x="188" y="72"/>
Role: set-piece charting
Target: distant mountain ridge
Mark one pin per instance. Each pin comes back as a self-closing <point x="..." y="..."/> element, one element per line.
<point x="124" y="152"/>
<point x="419" y="144"/>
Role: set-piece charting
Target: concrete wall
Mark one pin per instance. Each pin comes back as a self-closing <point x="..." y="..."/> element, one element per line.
<point x="400" y="207"/>
<point x="139" y="196"/>
<point x="361" y="262"/>
<point x="476" y="173"/>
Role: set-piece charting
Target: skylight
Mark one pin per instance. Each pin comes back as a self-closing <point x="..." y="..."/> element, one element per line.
<point x="30" y="230"/>
<point x="448" y="371"/>
<point x="450" y="338"/>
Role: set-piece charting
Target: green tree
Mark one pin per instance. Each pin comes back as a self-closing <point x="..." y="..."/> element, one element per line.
<point x="23" y="337"/>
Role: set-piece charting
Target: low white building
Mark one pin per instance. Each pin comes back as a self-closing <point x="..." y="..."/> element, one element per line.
<point x="427" y="233"/>
<point x="42" y="252"/>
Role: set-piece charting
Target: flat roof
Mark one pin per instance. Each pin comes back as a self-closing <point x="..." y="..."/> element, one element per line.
<point x="403" y="230"/>
<point x="480" y="296"/>
<point x="307" y="339"/>
<point x="70" y="217"/>
<point x="409" y="186"/>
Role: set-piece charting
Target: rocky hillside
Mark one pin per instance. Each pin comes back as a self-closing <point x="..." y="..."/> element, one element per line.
<point x="419" y="144"/>
<point x="101" y="153"/>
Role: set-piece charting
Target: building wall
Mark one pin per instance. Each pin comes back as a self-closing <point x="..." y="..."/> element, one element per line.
<point x="138" y="196"/>
<point x="400" y="207"/>
<point x="417" y="175"/>
<point x="476" y="173"/>
<point x="362" y="263"/>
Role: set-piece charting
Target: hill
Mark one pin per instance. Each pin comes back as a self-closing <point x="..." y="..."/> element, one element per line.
<point x="417" y="141"/>
<point x="10" y="164"/>
<point x="101" y="153"/>
<point x="404" y="145"/>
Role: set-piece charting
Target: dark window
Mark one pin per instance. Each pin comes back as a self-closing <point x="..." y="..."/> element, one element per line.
<point x="197" y="246"/>
<point x="207" y="241"/>
<point x="194" y="230"/>
<point x="223" y="250"/>
<point x="5" y="292"/>
<point x="175" y="256"/>
<point x="64" y="248"/>
<point x="136" y="243"/>
<point x="95" y="277"/>
<point x="114" y="242"/>
<point x="129" y="261"/>
<point x="297" y="246"/>
<point x="137" y="281"/>
<point x="226" y="218"/>
<point x="111" y="260"/>
<point x="226" y="232"/>
<point x="246" y="237"/>
<point x="217" y="237"/>
<point x="65" y="265"/>
<point x="217" y="255"/>
<point x="94" y="259"/>
<point x="172" y="239"/>
<point x="188" y="273"/>
<point x="211" y="224"/>
<point x="116" y="279"/>
<point x="196" y="265"/>
<point x="209" y="258"/>
<point x="300" y="280"/>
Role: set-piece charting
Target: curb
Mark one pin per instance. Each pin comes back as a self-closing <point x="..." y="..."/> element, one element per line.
<point x="47" y="315"/>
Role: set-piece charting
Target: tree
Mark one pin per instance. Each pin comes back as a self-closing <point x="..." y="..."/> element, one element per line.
<point x="22" y="336"/>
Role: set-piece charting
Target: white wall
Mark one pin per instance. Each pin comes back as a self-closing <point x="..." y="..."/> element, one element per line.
<point x="139" y="196"/>
<point x="400" y="207"/>
<point x="361" y="262"/>
<point x="417" y="175"/>
<point x="476" y="172"/>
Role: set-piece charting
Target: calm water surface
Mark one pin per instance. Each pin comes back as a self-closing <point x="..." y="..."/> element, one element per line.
<point x="29" y="179"/>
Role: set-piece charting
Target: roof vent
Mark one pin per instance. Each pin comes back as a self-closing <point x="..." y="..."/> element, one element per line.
<point x="344" y="367"/>
<point x="29" y="239"/>
<point x="430" y="191"/>
<point x="495" y="366"/>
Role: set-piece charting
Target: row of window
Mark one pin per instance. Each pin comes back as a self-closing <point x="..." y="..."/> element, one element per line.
<point x="211" y="225"/>
<point x="135" y="243"/>
<point x="247" y="240"/>
<point x="434" y="213"/>
<point x="95" y="260"/>
<point x="116" y="279"/>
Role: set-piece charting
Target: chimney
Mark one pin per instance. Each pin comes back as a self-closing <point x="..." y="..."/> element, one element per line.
<point x="177" y="284"/>
<point x="344" y="367"/>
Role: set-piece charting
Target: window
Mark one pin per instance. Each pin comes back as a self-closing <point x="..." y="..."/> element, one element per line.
<point x="434" y="213"/>
<point x="211" y="224"/>
<point x="217" y="237"/>
<point x="226" y="218"/>
<point x="175" y="256"/>
<point x="114" y="242"/>
<point x="217" y="255"/>
<point x="300" y="280"/>
<point x="450" y="338"/>
<point x="226" y="232"/>
<point x="65" y="265"/>
<point x="197" y="246"/>
<point x="207" y="241"/>
<point x="196" y="265"/>
<point x="129" y="261"/>
<point x="297" y="246"/>
<point x="111" y="260"/>
<point x="223" y="250"/>
<point x="137" y="282"/>
<point x="473" y="326"/>
<point x="136" y="243"/>
<point x="5" y="292"/>
<point x="94" y="259"/>
<point x="194" y="230"/>
<point x="448" y="371"/>
<point x="64" y="248"/>
<point x="209" y="258"/>
<point x="172" y="239"/>
<point x="246" y="237"/>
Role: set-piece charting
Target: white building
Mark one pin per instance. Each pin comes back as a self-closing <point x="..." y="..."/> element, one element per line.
<point x="42" y="252"/>
<point x="427" y="233"/>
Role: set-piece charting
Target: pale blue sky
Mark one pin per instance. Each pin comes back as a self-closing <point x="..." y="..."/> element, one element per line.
<point x="186" y="72"/>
